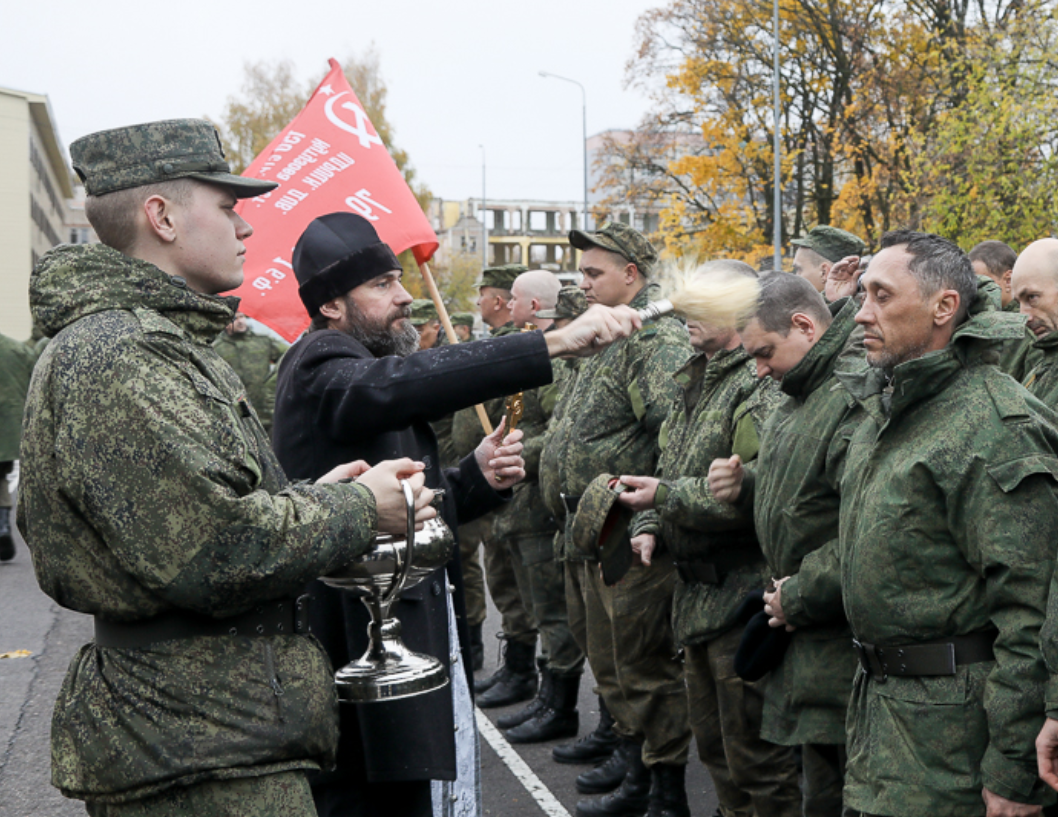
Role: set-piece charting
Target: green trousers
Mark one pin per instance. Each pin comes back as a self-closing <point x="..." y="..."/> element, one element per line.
<point x="285" y="794"/>
<point x="473" y="575"/>
<point x="508" y="585"/>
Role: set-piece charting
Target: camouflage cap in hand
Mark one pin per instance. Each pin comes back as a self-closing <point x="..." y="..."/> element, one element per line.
<point x="462" y="319"/>
<point x="423" y="311"/>
<point x="571" y="304"/>
<point x="155" y="152"/>
<point x="831" y="243"/>
<point x="600" y="528"/>
<point x="501" y="277"/>
<point x="619" y="238"/>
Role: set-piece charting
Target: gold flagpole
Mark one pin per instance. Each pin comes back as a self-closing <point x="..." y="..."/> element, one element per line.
<point x="442" y="313"/>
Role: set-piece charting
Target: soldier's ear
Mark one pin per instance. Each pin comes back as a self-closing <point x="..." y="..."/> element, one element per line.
<point x="945" y="307"/>
<point x="159" y="211"/>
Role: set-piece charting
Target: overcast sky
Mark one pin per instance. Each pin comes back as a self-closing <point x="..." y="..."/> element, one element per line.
<point x="461" y="73"/>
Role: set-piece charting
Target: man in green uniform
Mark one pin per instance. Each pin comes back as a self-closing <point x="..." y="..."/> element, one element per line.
<point x="820" y="249"/>
<point x="719" y="412"/>
<point x="426" y="322"/>
<point x="516" y="679"/>
<point x="16" y="368"/>
<point x="463" y="323"/>
<point x="948" y="513"/>
<point x="993" y="263"/>
<point x="799" y="341"/>
<point x="614" y="413"/>
<point x="1035" y="284"/>
<point x="254" y="358"/>
<point x="151" y="499"/>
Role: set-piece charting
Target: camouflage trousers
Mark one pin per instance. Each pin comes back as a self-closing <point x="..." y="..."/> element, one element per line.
<point x="285" y="794"/>
<point x="546" y="598"/>
<point x="824" y="778"/>
<point x="629" y="626"/>
<point x="508" y="585"/>
<point x="473" y="575"/>
<point x="751" y="775"/>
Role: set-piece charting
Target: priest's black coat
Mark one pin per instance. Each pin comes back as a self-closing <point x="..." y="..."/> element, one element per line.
<point x="335" y="403"/>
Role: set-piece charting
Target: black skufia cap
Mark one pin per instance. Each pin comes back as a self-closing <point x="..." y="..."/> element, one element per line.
<point x="336" y="253"/>
<point x="762" y="647"/>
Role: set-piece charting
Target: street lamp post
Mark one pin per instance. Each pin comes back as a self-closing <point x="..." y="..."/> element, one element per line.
<point x="484" y="215"/>
<point x="777" y="206"/>
<point x="584" y="121"/>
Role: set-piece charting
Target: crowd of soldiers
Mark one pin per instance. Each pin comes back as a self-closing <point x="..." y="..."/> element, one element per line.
<point x="820" y="542"/>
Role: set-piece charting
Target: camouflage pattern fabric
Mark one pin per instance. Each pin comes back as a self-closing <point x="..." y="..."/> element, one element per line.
<point x="16" y="368"/>
<point x="285" y="794"/>
<point x="1016" y="356"/>
<point x="1042" y="381"/>
<point x="948" y="512"/>
<point x="751" y="776"/>
<point x="717" y="413"/>
<point x="616" y="237"/>
<point x="831" y="243"/>
<point x="795" y="506"/>
<point x="150" y="487"/>
<point x="255" y="358"/>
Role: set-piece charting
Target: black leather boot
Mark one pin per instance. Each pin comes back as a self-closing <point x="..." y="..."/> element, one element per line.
<point x="557" y="719"/>
<point x="595" y="747"/>
<point x="608" y="776"/>
<point x="542" y="700"/>
<point x="519" y="683"/>
<point x="482" y="684"/>
<point x="7" y="541"/>
<point x="631" y="799"/>
<point x="668" y="791"/>
<point x="477" y="648"/>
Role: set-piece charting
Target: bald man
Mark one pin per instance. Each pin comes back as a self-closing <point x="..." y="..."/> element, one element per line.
<point x="532" y="292"/>
<point x="1035" y="286"/>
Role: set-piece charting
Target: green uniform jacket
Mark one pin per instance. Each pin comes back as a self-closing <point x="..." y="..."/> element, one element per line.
<point x="1018" y="355"/>
<point x="614" y="410"/>
<point x="1042" y="381"/>
<point x="795" y="508"/>
<point x="149" y="487"/>
<point x="254" y="358"/>
<point x="948" y="514"/>
<point x="16" y="368"/>
<point x="718" y="412"/>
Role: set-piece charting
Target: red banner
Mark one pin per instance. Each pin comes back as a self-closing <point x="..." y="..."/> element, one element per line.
<point x="329" y="159"/>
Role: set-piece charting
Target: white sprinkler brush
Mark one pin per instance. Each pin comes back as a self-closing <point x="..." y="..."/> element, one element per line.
<point x="713" y="297"/>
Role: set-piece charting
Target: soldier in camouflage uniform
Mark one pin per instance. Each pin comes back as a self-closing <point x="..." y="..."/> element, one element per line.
<point x="719" y="412"/>
<point x="948" y="513"/>
<point x="798" y="341"/>
<point x="463" y="323"/>
<point x="151" y="499"/>
<point x="16" y="367"/>
<point x="254" y="358"/>
<point x="516" y="679"/>
<point x="614" y="412"/>
<point x="424" y="319"/>
<point x="1035" y="282"/>
<point x="820" y="249"/>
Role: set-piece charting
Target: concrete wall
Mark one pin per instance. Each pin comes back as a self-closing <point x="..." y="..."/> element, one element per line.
<point x="16" y="254"/>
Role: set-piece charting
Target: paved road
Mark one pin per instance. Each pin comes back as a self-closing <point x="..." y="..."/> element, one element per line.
<point x="29" y="686"/>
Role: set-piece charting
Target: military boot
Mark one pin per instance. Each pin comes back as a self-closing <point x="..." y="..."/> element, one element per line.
<point x="482" y="684"/>
<point x="608" y="776"/>
<point x="7" y="541"/>
<point x="519" y="682"/>
<point x="477" y="648"/>
<point x="631" y="799"/>
<point x="668" y="791"/>
<point x="595" y="747"/>
<point x="557" y="719"/>
<point x="542" y="699"/>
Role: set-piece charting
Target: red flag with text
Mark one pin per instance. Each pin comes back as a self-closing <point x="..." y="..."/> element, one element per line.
<point x="329" y="159"/>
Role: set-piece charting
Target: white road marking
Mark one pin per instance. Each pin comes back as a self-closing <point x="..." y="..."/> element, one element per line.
<point x="526" y="776"/>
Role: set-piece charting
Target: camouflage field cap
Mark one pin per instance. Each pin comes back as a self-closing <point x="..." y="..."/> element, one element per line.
<point x="831" y="243"/>
<point x="501" y="277"/>
<point x="462" y="319"/>
<point x="600" y="528"/>
<point x="621" y="239"/>
<point x="571" y="304"/>
<point x="423" y="311"/>
<point x="157" y="152"/>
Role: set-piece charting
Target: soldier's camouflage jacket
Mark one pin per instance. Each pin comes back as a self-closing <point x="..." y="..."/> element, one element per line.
<point x="254" y="358"/>
<point x="614" y="410"/>
<point x="795" y="508"/>
<point x="525" y="516"/>
<point x="1017" y="356"/>
<point x="1042" y="381"/>
<point x="719" y="410"/>
<point x="149" y="487"/>
<point x="948" y="514"/>
<point x="16" y="367"/>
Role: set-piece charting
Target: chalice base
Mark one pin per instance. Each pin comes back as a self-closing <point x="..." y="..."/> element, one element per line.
<point x="389" y="674"/>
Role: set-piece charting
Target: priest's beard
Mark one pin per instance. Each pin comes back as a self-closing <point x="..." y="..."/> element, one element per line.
<point x="382" y="338"/>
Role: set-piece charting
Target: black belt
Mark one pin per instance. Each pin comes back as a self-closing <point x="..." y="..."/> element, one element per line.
<point x="571" y="503"/>
<point x="727" y="553"/>
<point x="932" y="658"/>
<point x="281" y="617"/>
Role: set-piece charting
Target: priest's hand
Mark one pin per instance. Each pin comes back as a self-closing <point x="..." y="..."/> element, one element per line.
<point x="593" y="331"/>
<point x="500" y="457"/>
